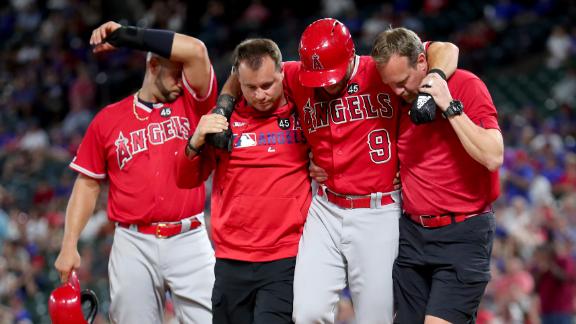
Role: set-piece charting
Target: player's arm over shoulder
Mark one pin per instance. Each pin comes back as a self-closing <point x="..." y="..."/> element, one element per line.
<point x="290" y="70"/>
<point x="193" y="55"/>
<point x="443" y="56"/>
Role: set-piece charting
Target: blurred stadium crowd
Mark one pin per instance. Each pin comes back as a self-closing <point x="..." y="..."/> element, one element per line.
<point x="51" y="86"/>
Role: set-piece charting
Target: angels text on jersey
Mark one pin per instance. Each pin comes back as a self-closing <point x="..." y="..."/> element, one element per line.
<point x="269" y="138"/>
<point x="289" y="132"/>
<point x="346" y="109"/>
<point x="137" y="141"/>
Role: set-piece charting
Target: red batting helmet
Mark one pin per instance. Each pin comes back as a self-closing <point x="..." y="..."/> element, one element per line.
<point x="326" y="48"/>
<point x="65" y="303"/>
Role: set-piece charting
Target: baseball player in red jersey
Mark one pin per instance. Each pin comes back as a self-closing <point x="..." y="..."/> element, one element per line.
<point x="261" y="191"/>
<point x="160" y="242"/>
<point x="449" y="173"/>
<point x="350" y="119"/>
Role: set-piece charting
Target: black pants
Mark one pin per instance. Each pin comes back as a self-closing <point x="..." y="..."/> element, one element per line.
<point x="253" y="292"/>
<point x="442" y="271"/>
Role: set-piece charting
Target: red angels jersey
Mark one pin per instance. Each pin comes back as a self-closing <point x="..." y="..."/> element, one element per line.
<point x="438" y="175"/>
<point x="261" y="190"/>
<point x="353" y="135"/>
<point x="139" y="156"/>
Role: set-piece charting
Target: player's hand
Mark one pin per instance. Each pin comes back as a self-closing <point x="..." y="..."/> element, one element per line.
<point x="434" y="85"/>
<point x="208" y="124"/>
<point x="97" y="40"/>
<point x="68" y="260"/>
<point x="317" y="173"/>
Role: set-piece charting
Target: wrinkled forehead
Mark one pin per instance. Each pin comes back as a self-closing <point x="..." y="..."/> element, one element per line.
<point x="396" y="70"/>
<point x="265" y="72"/>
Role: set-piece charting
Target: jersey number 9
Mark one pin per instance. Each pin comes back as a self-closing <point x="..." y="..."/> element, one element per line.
<point x="379" y="144"/>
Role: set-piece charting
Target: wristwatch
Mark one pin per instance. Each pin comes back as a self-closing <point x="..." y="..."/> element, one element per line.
<point x="454" y="109"/>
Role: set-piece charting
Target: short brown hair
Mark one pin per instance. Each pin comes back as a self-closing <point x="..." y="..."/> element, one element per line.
<point x="253" y="50"/>
<point x="397" y="41"/>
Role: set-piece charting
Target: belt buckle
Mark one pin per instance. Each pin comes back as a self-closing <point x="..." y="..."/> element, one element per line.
<point x="158" y="227"/>
<point x="422" y="220"/>
<point x="351" y="200"/>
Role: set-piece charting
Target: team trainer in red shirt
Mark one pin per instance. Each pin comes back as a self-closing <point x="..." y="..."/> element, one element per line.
<point x="160" y="243"/>
<point x="260" y="194"/>
<point x="449" y="172"/>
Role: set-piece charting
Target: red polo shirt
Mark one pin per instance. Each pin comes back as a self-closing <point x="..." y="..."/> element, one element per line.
<point x="261" y="190"/>
<point x="438" y="175"/>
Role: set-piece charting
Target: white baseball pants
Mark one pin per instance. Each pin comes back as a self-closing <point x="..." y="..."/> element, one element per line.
<point x="142" y="268"/>
<point x="340" y="246"/>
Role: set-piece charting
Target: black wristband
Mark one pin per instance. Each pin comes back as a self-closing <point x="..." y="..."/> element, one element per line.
<point x="153" y="40"/>
<point x="224" y="105"/>
<point x="226" y="99"/>
<point x="191" y="147"/>
<point x="439" y="72"/>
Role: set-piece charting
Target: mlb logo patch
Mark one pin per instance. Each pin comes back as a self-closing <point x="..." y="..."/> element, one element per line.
<point x="246" y="140"/>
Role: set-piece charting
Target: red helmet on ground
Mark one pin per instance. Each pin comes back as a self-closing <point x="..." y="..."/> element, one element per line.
<point x="326" y="48"/>
<point x="65" y="303"/>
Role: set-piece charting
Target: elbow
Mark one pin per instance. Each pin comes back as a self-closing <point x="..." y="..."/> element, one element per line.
<point x="448" y="49"/>
<point x="494" y="163"/>
<point x="198" y="49"/>
<point x="454" y="54"/>
<point x="187" y="48"/>
<point x="493" y="151"/>
<point x="445" y="56"/>
<point x="453" y="49"/>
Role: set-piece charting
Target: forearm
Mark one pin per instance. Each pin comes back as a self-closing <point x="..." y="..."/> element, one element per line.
<point x="80" y="208"/>
<point x="187" y="49"/>
<point x="193" y="55"/>
<point x="443" y="56"/>
<point x="174" y="46"/>
<point x="486" y="146"/>
<point x="157" y="41"/>
<point x="232" y="86"/>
